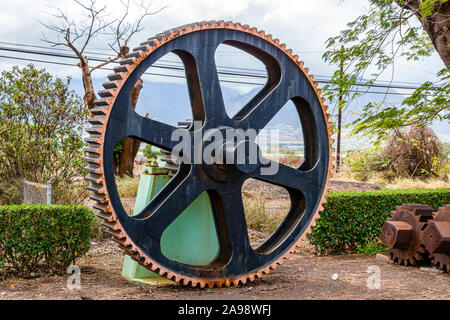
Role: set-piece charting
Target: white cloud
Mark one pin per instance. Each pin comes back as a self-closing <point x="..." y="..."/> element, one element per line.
<point x="303" y="25"/>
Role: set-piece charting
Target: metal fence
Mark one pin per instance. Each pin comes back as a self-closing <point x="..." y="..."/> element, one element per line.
<point x="34" y="192"/>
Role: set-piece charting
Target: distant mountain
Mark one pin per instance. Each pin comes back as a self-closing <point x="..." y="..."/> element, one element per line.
<point x="169" y="103"/>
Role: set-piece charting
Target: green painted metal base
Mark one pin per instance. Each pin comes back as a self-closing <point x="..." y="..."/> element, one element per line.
<point x="190" y="239"/>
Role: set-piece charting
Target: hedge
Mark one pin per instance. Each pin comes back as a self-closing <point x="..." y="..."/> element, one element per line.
<point x="46" y="238"/>
<point x="354" y="219"/>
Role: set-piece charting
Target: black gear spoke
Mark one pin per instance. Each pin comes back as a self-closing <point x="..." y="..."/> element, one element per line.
<point x="152" y="131"/>
<point x="208" y="85"/>
<point x="236" y="228"/>
<point x="159" y="214"/>
<point x="264" y="111"/>
<point x="288" y="177"/>
<point x="162" y="195"/>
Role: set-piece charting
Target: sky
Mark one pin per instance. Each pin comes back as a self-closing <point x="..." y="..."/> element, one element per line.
<point x="304" y="25"/>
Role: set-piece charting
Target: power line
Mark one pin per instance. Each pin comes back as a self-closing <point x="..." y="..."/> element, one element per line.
<point x="103" y="55"/>
<point x="221" y="70"/>
<point x="110" y="69"/>
<point x="222" y="73"/>
<point x="183" y="77"/>
<point x="226" y="67"/>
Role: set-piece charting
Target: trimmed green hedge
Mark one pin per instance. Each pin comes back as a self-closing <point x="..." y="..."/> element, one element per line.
<point x="43" y="237"/>
<point x="354" y="219"/>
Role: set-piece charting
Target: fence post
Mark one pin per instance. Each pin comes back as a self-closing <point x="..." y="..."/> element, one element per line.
<point x="49" y="192"/>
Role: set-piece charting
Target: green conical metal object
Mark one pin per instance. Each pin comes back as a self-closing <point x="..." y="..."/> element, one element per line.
<point x="190" y="239"/>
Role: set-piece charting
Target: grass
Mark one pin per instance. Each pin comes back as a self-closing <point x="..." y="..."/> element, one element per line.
<point x="259" y="218"/>
<point x="372" y="248"/>
<point x="127" y="186"/>
<point x="407" y="183"/>
<point x="398" y="182"/>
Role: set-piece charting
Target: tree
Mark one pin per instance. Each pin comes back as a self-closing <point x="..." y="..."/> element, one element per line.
<point x="77" y="35"/>
<point x="150" y="152"/>
<point x="40" y="135"/>
<point x="374" y="40"/>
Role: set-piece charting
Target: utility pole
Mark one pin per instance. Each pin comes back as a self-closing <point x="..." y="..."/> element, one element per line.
<point x="339" y="120"/>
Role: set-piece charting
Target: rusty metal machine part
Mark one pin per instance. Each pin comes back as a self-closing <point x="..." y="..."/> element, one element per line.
<point x="436" y="238"/>
<point x="288" y="79"/>
<point x="401" y="233"/>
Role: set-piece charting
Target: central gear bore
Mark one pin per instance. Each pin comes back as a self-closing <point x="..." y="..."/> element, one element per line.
<point x="140" y="235"/>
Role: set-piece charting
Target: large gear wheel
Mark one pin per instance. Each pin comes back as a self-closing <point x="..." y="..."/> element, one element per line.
<point x="288" y="80"/>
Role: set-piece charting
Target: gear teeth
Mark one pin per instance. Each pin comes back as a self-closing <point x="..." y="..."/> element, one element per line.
<point x="98" y="198"/>
<point x="115" y="77"/>
<point x="93" y="151"/>
<point x="97" y="120"/>
<point x="122" y="68"/>
<point x="93" y="168"/>
<point x="96" y="187"/>
<point x="93" y="139"/>
<point x="106" y="93"/>
<point x="134" y="54"/>
<point x="128" y="61"/>
<point x="95" y="130"/>
<point x="94" y="178"/>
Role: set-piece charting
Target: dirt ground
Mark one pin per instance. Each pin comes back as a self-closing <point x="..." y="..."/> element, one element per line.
<point x="304" y="276"/>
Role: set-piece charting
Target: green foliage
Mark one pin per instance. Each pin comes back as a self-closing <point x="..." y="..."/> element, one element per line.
<point x="371" y="248"/>
<point x="354" y="219"/>
<point x="150" y="153"/>
<point x="414" y="153"/>
<point x="372" y="42"/>
<point x="44" y="238"/>
<point x="364" y="162"/>
<point x="40" y="135"/>
<point x="425" y="104"/>
<point x="118" y="150"/>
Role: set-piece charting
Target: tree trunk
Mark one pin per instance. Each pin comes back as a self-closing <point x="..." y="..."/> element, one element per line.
<point x="124" y="160"/>
<point x="89" y="92"/>
<point x="436" y="26"/>
<point x="130" y="146"/>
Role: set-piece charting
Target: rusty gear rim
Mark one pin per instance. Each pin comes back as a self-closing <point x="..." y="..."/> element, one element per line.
<point x="195" y="44"/>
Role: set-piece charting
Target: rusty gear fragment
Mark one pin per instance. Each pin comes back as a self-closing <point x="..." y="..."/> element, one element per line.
<point x="401" y="233"/>
<point x="436" y="239"/>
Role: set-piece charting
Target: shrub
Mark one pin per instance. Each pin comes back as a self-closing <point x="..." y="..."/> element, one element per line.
<point x="416" y="153"/>
<point x="354" y="219"/>
<point x="364" y="162"/>
<point x="40" y="135"/>
<point x="372" y="248"/>
<point x="43" y="237"/>
<point x="150" y="152"/>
